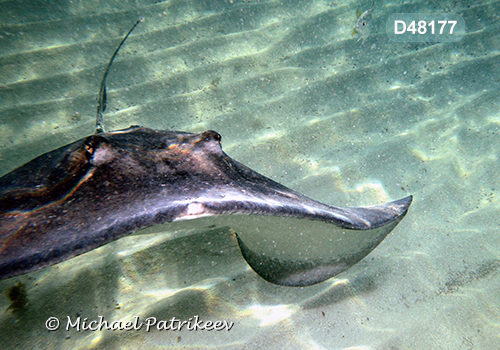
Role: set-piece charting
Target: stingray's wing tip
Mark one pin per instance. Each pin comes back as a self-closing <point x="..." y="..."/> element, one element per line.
<point x="404" y="202"/>
<point x="401" y="206"/>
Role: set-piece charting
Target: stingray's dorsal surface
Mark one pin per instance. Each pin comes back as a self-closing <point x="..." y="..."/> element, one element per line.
<point x="100" y="188"/>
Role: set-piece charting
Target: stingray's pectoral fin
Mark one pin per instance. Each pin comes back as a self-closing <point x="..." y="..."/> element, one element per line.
<point x="301" y="252"/>
<point x="299" y="263"/>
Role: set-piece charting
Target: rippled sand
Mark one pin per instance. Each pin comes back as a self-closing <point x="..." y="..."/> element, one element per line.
<point x="299" y="99"/>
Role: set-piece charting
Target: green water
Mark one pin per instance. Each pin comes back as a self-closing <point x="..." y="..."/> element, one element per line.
<point x="299" y="99"/>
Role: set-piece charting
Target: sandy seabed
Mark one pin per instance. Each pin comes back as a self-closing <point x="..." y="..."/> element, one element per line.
<point x="297" y="97"/>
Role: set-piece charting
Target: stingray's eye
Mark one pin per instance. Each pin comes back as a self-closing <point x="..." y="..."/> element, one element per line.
<point x="211" y="135"/>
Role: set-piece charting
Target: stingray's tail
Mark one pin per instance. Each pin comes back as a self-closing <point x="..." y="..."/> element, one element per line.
<point x="102" y="99"/>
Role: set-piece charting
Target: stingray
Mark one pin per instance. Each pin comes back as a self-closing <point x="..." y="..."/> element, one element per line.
<point x="97" y="189"/>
